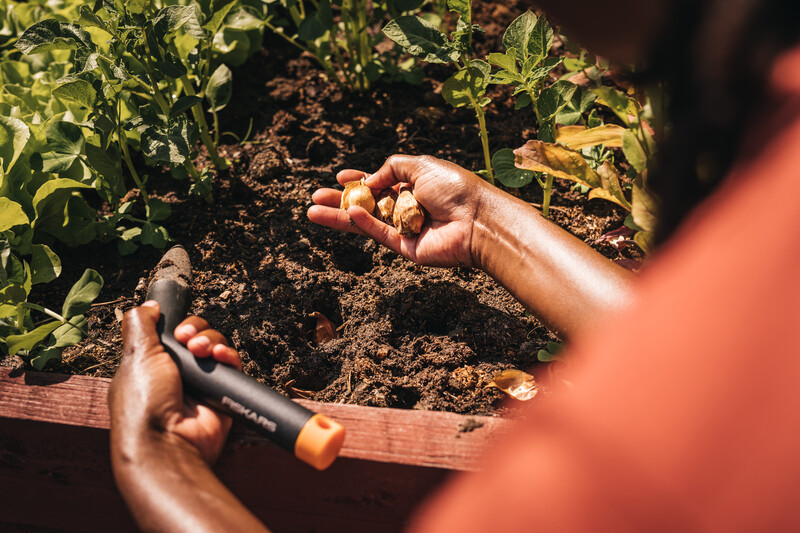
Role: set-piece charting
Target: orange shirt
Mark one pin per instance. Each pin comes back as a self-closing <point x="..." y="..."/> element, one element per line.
<point x="685" y="410"/>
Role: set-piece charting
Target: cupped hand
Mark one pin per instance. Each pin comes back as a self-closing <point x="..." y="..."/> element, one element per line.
<point x="146" y="396"/>
<point x="451" y="196"/>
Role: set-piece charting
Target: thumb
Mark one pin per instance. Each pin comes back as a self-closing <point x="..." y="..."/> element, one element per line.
<point x="139" y="330"/>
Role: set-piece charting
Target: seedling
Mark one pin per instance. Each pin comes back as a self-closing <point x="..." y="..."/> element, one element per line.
<point x="467" y="87"/>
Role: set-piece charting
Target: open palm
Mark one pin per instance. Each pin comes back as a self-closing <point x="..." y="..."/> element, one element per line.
<point x="450" y="195"/>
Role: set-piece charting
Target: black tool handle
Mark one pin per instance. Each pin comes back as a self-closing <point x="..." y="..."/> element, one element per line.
<point x="221" y="386"/>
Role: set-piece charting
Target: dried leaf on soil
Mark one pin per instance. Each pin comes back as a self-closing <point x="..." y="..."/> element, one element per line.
<point x="325" y="330"/>
<point x="297" y="393"/>
<point x="516" y="383"/>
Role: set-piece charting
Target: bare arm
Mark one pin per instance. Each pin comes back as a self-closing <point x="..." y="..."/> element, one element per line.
<point x="162" y="445"/>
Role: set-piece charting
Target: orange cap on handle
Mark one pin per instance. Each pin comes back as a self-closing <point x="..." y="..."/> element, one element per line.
<point x="319" y="442"/>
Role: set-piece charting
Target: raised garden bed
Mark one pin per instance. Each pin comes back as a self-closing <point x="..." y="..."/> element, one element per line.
<point x="415" y="341"/>
<point x="55" y="470"/>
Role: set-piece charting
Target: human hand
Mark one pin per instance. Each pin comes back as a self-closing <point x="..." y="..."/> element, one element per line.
<point x="146" y="397"/>
<point x="451" y="196"/>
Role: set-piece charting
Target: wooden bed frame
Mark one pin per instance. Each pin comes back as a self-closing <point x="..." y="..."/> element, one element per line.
<point x="55" y="471"/>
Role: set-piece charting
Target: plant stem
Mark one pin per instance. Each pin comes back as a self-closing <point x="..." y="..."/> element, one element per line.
<point x="200" y="117"/>
<point x="548" y="191"/>
<point x="126" y="155"/>
<point x="484" y="141"/>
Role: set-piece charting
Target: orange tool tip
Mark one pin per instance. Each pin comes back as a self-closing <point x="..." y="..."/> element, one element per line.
<point x="319" y="441"/>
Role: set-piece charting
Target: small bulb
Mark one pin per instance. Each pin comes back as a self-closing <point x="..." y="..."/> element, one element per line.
<point x="408" y="214"/>
<point x="356" y="193"/>
<point x="385" y="206"/>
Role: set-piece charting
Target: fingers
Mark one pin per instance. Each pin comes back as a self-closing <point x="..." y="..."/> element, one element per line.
<point x="139" y="330"/>
<point x="383" y="233"/>
<point x="398" y="169"/>
<point x="349" y="174"/>
<point x="203" y="341"/>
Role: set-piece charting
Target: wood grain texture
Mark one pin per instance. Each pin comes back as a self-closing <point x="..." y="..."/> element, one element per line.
<point x="422" y="438"/>
<point x="55" y="471"/>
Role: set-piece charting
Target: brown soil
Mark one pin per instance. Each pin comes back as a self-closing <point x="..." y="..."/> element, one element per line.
<point x="411" y="337"/>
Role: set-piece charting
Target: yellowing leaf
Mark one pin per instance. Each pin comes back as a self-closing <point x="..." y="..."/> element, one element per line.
<point x="515" y="383"/>
<point x="557" y="161"/>
<point x="578" y="137"/>
<point x="611" y="189"/>
<point x="324" y="331"/>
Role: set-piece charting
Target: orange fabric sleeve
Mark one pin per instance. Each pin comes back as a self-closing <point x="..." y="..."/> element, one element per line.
<point x="685" y="410"/>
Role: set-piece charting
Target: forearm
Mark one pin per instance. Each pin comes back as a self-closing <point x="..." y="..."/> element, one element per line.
<point x="559" y="278"/>
<point x="169" y="487"/>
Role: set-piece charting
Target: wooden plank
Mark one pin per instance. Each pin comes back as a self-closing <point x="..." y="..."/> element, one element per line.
<point x="58" y="476"/>
<point x="422" y="438"/>
<point x="55" y="472"/>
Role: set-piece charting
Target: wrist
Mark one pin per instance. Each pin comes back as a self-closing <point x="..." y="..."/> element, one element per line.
<point x="492" y="205"/>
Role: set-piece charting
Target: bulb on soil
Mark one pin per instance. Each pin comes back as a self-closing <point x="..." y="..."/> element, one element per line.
<point x="385" y="206"/>
<point x="408" y="214"/>
<point x="356" y="193"/>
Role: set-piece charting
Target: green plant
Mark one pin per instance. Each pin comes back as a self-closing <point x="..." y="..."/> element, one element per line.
<point x="337" y="35"/>
<point x="525" y="65"/>
<point x="467" y="87"/>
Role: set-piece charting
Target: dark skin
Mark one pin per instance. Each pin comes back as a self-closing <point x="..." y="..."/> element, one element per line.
<point x="163" y="444"/>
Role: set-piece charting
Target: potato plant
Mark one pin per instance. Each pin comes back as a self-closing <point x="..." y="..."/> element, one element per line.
<point x="583" y="150"/>
<point x="82" y="90"/>
<point x="337" y="34"/>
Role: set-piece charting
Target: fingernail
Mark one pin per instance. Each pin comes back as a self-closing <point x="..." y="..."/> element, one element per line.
<point x="186" y="330"/>
<point x="199" y="343"/>
<point x="150" y="303"/>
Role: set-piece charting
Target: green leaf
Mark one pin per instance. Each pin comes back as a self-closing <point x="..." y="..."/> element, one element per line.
<point x="172" y="143"/>
<point x="614" y="100"/>
<point x="108" y="165"/>
<point x="633" y="151"/>
<point x="51" y="34"/>
<point x="27" y="341"/>
<point x="465" y="87"/>
<point x="507" y="173"/>
<point x="65" y="141"/>
<point x="82" y="294"/>
<point x="463" y="8"/>
<point x="422" y="39"/>
<point x="70" y="333"/>
<point x="14" y="135"/>
<point x="183" y="104"/>
<point x="171" y="18"/>
<point x="154" y="235"/>
<point x="157" y="210"/>
<point x="644" y="210"/>
<point x="220" y="10"/>
<point x="244" y="20"/>
<point x="62" y="214"/>
<point x="11" y="214"/>
<point x="541" y="39"/>
<point x="554" y="98"/>
<point x="219" y="88"/>
<point x="64" y="137"/>
<point x="79" y="91"/>
<point x="505" y="61"/>
<point x="315" y="26"/>
<point x="530" y="36"/>
<point x="45" y="264"/>
<point x="41" y="358"/>
<point x="171" y="66"/>
<point x="10" y="296"/>
<point x="524" y="100"/>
